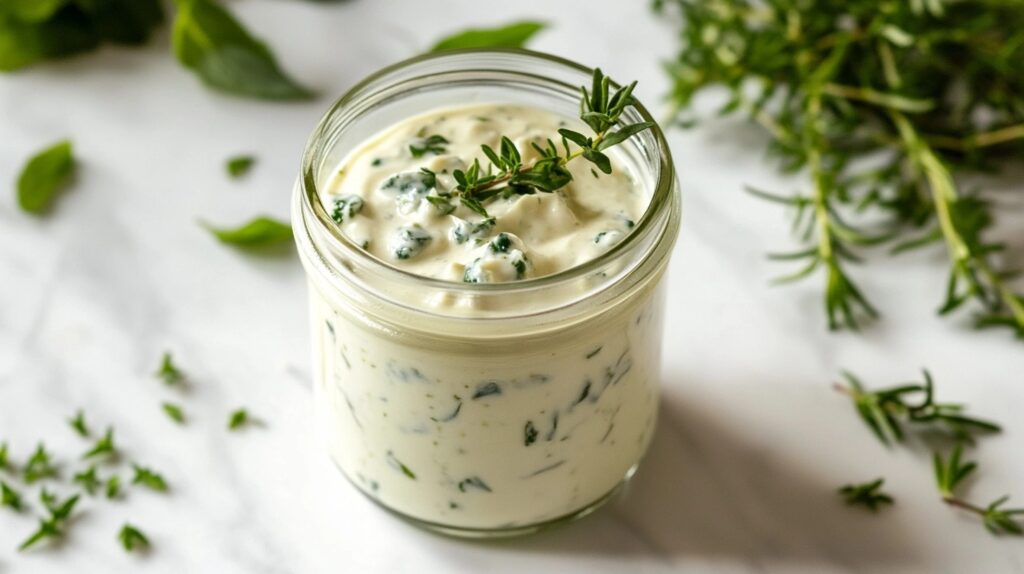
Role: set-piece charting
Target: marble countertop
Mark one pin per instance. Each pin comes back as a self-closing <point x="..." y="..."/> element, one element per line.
<point x="751" y="443"/>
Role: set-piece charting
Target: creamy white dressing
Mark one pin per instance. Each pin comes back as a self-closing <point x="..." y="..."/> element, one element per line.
<point x="384" y="201"/>
<point x="515" y="432"/>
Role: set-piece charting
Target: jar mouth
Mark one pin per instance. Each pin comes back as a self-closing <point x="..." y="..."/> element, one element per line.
<point x="312" y="203"/>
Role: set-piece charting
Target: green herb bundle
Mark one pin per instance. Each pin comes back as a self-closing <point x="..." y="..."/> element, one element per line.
<point x="881" y="104"/>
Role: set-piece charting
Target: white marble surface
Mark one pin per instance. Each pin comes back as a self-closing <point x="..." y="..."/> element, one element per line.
<point x="751" y="443"/>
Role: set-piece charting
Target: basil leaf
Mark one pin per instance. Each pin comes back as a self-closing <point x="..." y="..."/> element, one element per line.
<point x="260" y="232"/>
<point x="208" y="40"/>
<point x="514" y="35"/>
<point x="43" y="176"/>
<point x="240" y="165"/>
<point x="36" y="30"/>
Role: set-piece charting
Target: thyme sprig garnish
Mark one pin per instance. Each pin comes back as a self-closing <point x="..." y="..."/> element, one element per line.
<point x="884" y="409"/>
<point x="950" y="474"/>
<point x="507" y="175"/>
<point x="868" y="494"/>
<point x="881" y="104"/>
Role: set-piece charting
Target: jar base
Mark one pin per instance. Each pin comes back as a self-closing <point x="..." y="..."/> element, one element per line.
<point x="498" y="533"/>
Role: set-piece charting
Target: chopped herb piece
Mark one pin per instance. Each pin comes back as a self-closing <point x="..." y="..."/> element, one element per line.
<point x="78" y="423"/>
<point x="398" y="465"/>
<point x="168" y="372"/>
<point x="530" y="433"/>
<point x="473" y="482"/>
<point x="454" y="413"/>
<point x="4" y="456"/>
<point x="88" y="480"/>
<point x="238" y="419"/>
<point x="377" y="162"/>
<point x="10" y="497"/>
<point x="51" y="527"/>
<point x="174" y="412"/>
<point x="501" y="243"/>
<point x="346" y="207"/>
<point x="113" y="487"/>
<point x="583" y="393"/>
<point x="240" y="165"/>
<point x="867" y="494"/>
<point x="104" y="446"/>
<point x="434" y="144"/>
<point x="44" y="175"/>
<point x="260" y="232"/>
<point x="486" y="389"/>
<point x="210" y="41"/>
<point x="544" y="469"/>
<point x="132" y="538"/>
<point x="149" y="479"/>
<point x="554" y="428"/>
<point x="408" y="242"/>
<point x="39" y="466"/>
<point x="594" y="353"/>
<point x="514" y="35"/>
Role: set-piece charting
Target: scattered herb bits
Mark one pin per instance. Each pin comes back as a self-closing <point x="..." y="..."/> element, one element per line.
<point x="868" y="495"/>
<point x="513" y="35"/>
<point x="238" y="166"/>
<point x="132" y="538"/>
<point x="104" y="447"/>
<point x="53" y="526"/>
<point x="10" y="498"/>
<point x="45" y="174"/>
<point x="148" y="479"/>
<point x="238" y="419"/>
<point x="168" y="372"/>
<point x="174" y="412"/>
<point x="40" y="466"/>
<point x="78" y="424"/>
<point x="88" y="480"/>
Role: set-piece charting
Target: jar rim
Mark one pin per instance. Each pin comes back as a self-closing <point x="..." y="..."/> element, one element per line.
<point x="661" y="198"/>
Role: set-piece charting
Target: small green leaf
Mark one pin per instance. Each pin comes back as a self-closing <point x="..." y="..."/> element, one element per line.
<point x="209" y="40"/>
<point x="78" y="424"/>
<point x="132" y="538"/>
<point x="174" y="412"/>
<point x="113" y="487"/>
<point x="149" y="479"/>
<point x="238" y="419"/>
<point x="240" y="165"/>
<point x="168" y="372"/>
<point x="514" y="35"/>
<point x="10" y="497"/>
<point x="43" y="176"/>
<point x="259" y="232"/>
<point x="104" y="447"/>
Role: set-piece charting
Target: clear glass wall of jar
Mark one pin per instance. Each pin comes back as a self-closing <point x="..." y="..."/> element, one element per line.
<point x="484" y="409"/>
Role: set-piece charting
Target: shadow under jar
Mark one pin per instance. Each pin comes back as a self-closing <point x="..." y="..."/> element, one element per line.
<point x="488" y="409"/>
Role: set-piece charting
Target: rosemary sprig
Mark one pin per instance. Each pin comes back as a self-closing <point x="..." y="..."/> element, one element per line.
<point x="868" y="494"/>
<point x="881" y="104"/>
<point x="883" y="409"/>
<point x="949" y="474"/>
<point x="506" y="175"/>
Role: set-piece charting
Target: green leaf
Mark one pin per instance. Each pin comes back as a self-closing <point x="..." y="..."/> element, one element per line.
<point x="168" y="372"/>
<point x="622" y="134"/>
<point x="514" y="35"/>
<point x="238" y="419"/>
<point x="174" y="411"/>
<point x="240" y="165"/>
<point x="43" y="176"/>
<point x="259" y="232"/>
<point x="149" y="479"/>
<point x="132" y="538"/>
<point x="208" y="40"/>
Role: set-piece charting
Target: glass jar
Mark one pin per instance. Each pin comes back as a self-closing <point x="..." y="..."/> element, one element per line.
<point x="484" y="409"/>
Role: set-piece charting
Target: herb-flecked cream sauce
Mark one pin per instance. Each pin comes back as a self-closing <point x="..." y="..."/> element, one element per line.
<point x="532" y="430"/>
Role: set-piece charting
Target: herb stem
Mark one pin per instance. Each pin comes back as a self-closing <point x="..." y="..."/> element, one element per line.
<point x="979" y="140"/>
